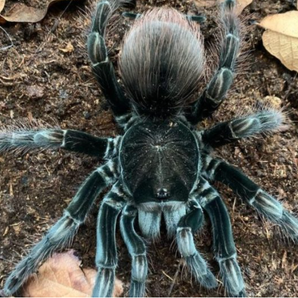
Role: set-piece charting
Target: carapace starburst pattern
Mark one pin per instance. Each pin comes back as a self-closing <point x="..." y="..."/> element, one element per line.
<point x="161" y="165"/>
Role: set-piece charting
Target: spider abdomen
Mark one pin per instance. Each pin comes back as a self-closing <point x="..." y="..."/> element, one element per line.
<point x="161" y="62"/>
<point x="159" y="162"/>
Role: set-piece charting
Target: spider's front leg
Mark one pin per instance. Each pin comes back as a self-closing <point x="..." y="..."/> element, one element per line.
<point x="222" y="80"/>
<point x="189" y="224"/>
<point x="102" y="67"/>
<point x="137" y="250"/>
<point x="62" y="233"/>
<point x="106" y="250"/>
<point x="223" y="242"/>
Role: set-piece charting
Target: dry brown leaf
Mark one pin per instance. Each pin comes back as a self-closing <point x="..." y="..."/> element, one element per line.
<point x="2" y="3"/>
<point x="62" y="276"/>
<point x="25" y="14"/>
<point x="281" y="37"/>
<point x="241" y="4"/>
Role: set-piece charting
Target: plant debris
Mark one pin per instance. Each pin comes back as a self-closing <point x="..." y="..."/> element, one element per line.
<point x="281" y="37"/>
<point x="241" y="4"/>
<point x="62" y="276"/>
<point x="23" y="13"/>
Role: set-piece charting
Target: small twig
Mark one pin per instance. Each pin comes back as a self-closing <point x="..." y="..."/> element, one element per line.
<point x="175" y="277"/>
<point x="11" y="43"/>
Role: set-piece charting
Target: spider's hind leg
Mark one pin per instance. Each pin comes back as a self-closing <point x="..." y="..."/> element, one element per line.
<point x="61" y="234"/>
<point x="102" y="67"/>
<point x="252" y="194"/>
<point x="222" y="80"/>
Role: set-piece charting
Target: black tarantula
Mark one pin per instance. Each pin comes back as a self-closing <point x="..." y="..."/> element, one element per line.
<point x="161" y="165"/>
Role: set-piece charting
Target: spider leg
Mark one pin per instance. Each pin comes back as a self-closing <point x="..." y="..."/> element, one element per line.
<point x="242" y="127"/>
<point x="131" y="15"/>
<point x="102" y="67"/>
<point x="252" y="194"/>
<point x="106" y="251"/>
<point x="61" y="234"/>
<point x="137" y="251"/>
<point x="223" y="242"/>
<point x="188" y="225"/>
<point x="71" y="140"/>
<point x="222" y="80"/>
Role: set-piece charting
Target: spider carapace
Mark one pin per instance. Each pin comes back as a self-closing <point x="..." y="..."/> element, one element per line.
<point x="161" y="174"/>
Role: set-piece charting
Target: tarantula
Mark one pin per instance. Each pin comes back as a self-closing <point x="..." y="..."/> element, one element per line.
<point x="161" y="165"/>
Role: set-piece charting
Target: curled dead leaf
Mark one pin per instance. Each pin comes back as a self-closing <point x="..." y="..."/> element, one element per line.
<point x="62" y="276"/>
<point x="25" y="14"/>
<point x="281" y="37"/>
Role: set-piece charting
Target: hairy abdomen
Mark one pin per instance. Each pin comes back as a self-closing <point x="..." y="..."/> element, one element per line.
<point x="161" y="62"/>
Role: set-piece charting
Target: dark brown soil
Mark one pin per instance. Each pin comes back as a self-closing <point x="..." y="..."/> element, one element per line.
<point x="40" y="80"/>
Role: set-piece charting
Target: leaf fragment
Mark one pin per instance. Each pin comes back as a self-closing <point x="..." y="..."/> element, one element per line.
<point x="241" y="4"/>
<point x="281" y="37"/>
<point x="283" y="23"/>
<point x="62" y="276"/>
<point x="2" y="3"/>
<point x="25" y="14"/>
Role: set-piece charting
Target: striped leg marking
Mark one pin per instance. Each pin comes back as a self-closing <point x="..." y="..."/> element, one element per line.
<point x="253" y="195"/>
<point x="102" y="67"/>
<point x="106" y="251"/>
<point x="62" y="233"/>
<point x="243" y="127"/>
<point x="137" y="251"/>
<point x="21" y="140"/>
<point x="189" y="224"/>
<point x="223" y="242"/>
<point x="222" y="80"/>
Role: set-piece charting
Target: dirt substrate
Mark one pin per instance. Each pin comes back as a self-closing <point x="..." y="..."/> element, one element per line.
<point x="41" y="79"/>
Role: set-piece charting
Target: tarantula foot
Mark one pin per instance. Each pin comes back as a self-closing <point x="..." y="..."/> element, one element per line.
<point x="201" y="272"/>
<point x="274" y="211"/>
<point x="242" y="294"/>
<point x="12" y="285"/>
<point x="2" y="293"/>
<point x="104" y="283"/>
<point x="137" y="289"/>
<point x="232" y="277"/>
<point x="290" y="224"/>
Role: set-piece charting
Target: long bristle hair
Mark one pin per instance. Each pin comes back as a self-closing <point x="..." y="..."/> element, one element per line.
<point x="161" y="62"/>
